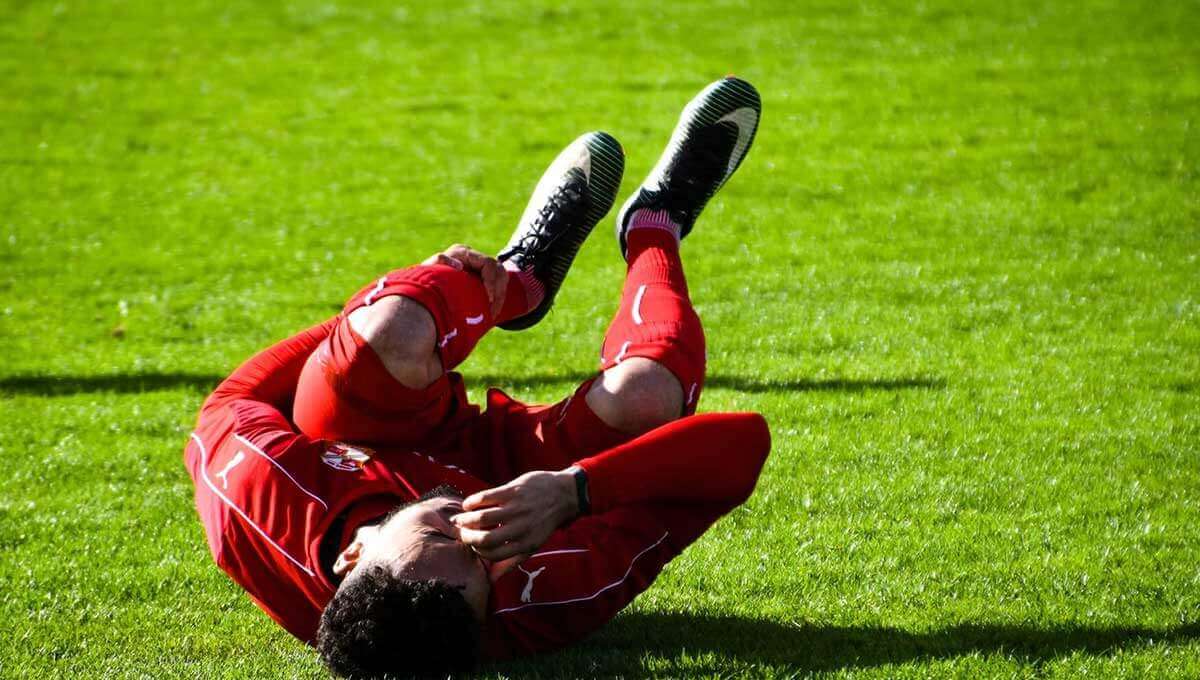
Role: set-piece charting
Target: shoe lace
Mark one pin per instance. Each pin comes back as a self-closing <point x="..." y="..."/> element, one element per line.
<point x="564" y="202"/>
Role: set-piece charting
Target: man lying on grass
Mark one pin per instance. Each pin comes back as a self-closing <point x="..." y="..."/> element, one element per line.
<point x="440" y="533"/>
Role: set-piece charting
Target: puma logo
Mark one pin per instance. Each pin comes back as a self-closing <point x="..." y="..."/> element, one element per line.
<point x="233" y="462"/>
<point x="527" y="593"/>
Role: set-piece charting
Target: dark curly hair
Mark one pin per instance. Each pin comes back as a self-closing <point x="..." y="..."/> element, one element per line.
<point x="378" y="623"/>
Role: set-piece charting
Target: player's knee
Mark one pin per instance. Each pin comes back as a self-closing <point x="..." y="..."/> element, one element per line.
<point x="404" y="335"/>
<point x="636" y="396"/>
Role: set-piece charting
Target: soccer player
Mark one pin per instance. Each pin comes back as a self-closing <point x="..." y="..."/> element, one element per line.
<point x="347" y="522"/>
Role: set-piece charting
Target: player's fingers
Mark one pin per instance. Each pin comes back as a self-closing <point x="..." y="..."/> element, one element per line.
<point x="521" y="546"/>
<point x="473" y="538"/>
<point x="489" y="497"/>
<point x="488" y="269"/>
<point x="457" y="250"/>
<point x="504" y="551"/>
<point x="474" y="259"/>
<point x="501" y="284"/>
<point x="496" y="277"/>
<point x="490" y="540"/>
<point x="483" y="519"/>
<point x="443" y="258"/>
<point x="499" y="553"/>
<point x="485" y="269"/>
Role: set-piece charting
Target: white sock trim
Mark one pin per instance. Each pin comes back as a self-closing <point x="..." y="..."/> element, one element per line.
<point x="654" y="219"/>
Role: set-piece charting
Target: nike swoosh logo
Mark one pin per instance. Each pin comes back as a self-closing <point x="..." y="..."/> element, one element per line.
<point x="474" y="320"/>
<point x="746" y="119"/>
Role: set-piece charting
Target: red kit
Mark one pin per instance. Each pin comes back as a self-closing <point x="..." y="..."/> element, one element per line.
<point x="268" y="494"/>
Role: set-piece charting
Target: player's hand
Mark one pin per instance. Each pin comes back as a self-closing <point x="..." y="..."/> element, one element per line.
<point x="517" y="518"/>
<point x="493" y="274"/>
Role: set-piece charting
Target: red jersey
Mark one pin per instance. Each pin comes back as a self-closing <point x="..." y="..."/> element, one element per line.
<point x="267" y="495"/>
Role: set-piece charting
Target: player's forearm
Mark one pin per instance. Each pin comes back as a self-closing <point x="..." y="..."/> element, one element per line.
<point x="270" y="376"/>
<point x="710" y="458"/>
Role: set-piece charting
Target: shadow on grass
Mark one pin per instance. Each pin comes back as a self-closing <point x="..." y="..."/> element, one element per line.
<point x="56" y="385"/>
<point x="737" y="383"/>
<point x="710" y="644"/>
<point x="1186" y="387"/>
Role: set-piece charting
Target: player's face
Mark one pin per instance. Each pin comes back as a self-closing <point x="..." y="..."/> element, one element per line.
<point x="420" y="542"/>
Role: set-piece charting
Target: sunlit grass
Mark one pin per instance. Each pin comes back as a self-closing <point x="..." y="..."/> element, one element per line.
<point x="958" y="273"/>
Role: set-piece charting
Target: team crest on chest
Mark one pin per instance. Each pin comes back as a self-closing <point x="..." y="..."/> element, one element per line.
<point x="345" y="457"/>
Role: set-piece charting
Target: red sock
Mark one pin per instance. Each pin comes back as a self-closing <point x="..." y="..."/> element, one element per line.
<point x="652" y="249"/>
<point x="524" y="292"/>
<point x="456" y="299"/>
<point x="656" y="319"/>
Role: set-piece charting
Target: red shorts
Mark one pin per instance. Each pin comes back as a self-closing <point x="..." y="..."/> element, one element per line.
<point x="345" y="392"/>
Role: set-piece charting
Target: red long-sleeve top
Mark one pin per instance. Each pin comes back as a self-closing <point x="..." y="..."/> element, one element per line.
<point x="267" y="495"/>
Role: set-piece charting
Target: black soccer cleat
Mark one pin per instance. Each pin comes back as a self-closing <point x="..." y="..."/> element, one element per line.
<point x="577" y="190"/>
<point x="712" y="137"/>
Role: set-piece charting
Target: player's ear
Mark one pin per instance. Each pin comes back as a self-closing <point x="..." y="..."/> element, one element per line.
<point x="348" y="558"/>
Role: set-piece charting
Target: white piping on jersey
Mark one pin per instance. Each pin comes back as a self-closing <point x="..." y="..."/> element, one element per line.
<point x="563" y="414"/>
<point x="287" y="474"/>
<point x="239" y="511"/>
<point x="567" y="551"/>
<point x="692" y="393"/>
<point x="596" y="594"/>
<point x="375" y="291"/>
<point x="474" y="320"/>
<point x="431" y="459"/>
<point x="637" y="304"/>
<point x="621" y="354"/>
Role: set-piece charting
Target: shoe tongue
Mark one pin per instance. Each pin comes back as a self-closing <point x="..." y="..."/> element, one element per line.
<point x="570" y="193"/>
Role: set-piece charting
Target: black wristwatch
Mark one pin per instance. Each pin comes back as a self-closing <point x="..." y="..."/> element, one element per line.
<point x="581" y="489"/>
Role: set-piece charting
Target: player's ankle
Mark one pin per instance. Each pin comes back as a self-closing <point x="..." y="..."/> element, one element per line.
<point x="650" y="231"/>
<point x="528" y="289"/>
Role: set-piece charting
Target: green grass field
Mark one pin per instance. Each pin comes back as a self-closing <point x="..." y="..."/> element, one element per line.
<point x="958" y="273"/>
